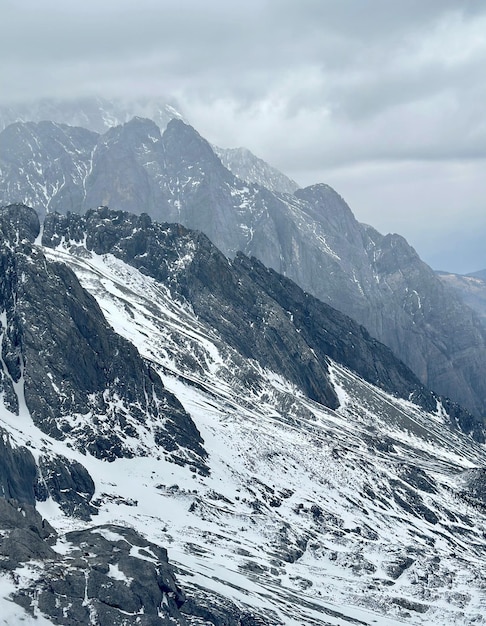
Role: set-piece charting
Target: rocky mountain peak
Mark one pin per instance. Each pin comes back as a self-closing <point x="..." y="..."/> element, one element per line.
<point x="325" y="204"/>
<point x="135" y="131"/>
<point x="185" y="148"/>
<point x="248" y="167"/>
<point x="396" y="254"/>
<point x="94" y="113"/>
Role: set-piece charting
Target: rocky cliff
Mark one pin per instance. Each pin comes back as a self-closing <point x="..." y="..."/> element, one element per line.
<point x="471" y="289"/>
<point x="63" y="363"/>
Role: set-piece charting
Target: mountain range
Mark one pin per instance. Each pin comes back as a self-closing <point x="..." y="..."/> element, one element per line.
<point x="191" y="439"/>
<point x="310" y="236"/>
<point x="225" y="402"/>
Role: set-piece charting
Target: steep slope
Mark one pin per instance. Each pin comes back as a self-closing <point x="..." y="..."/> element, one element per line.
<point x="311" y="237"/>
<point x="100" y="114"/>
<point x="244" y="164"/>
<point x="368" y="513"/>
<point x="471" y="288"/>
<point x="61" y="362"/>
<point x="45" y="165"/>
<point x="266" y="317"/>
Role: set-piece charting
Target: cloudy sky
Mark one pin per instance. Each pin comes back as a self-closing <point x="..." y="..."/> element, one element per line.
<point x="383" y="99"/>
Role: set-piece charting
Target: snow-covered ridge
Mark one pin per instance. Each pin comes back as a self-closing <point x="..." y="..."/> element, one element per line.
<point x="310" y="515"/>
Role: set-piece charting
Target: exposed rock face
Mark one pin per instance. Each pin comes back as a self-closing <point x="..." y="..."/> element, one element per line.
<point x="310" y="515"/>
<point x="381" y="282"/>
<point x="103" y="574"/>
<point x="111" y="575"/>
<point x="26" y="536"/>
<point x="61" y="360"/>
<point x="26" y="481"/>
<point x="53" y="158"/>
<point x="265" y="316"/>
<point x="471" y="288"/>
<point x="18" y="472"/>
<point x="312" y="237"/>
<point x="68" y="483"/>
<point x="106" y="574"/>
<point x="244" y="164"/>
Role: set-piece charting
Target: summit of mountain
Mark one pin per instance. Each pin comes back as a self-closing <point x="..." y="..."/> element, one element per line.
<point x="100" y="114"/>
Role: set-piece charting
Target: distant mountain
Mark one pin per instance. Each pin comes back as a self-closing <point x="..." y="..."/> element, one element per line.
<point x="45" y="164"/>
<point x="471" y="288"/>
<point x="480" y="274"/>
<point x="249" y="167"/>
<point x="95" y="114"/>
<point x="188" y="439"/>
<point x="311" y="236"/>
<point x="100" y="114"/>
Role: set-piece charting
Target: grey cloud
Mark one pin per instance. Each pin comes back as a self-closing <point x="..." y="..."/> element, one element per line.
<point x="313" y="86"/>
<point x="239" y="50"/>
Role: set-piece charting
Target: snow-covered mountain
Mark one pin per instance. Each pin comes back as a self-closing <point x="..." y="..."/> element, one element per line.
<point x="315" y="492"/>
<point x="311" y="236"/>
<point x="100" y="114"/>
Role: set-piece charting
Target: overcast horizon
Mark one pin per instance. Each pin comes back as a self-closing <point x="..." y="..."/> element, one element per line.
<point x="383" y="101"/>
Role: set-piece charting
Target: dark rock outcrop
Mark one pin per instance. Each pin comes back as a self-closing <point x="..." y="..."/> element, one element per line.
<point x="76" y="376"/>
<point x="107" y="575"/>
<point x="25" y="535"/>
<point x="68" y="483"/>
<point x="18" y="472"/>
<point x="111" y="575"/>
<point x="26" y="481"/>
